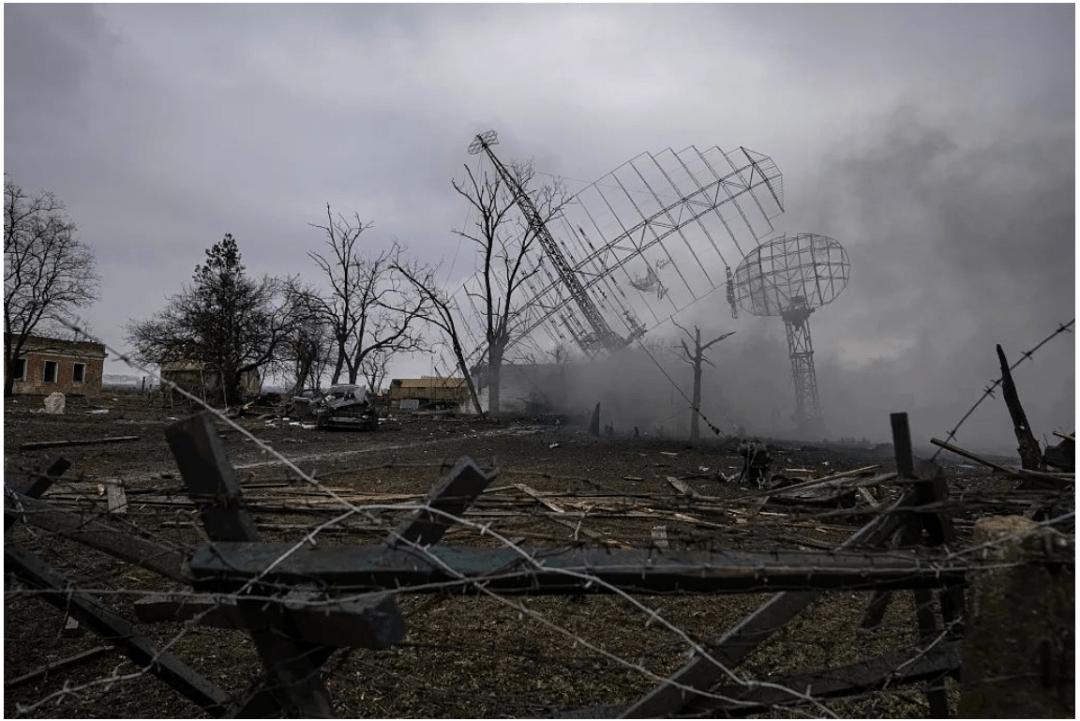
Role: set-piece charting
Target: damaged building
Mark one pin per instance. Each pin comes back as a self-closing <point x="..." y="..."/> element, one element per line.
<point x="204" y="381"/>
<point x="49" y="365"/>
<point x="429" y="393"/>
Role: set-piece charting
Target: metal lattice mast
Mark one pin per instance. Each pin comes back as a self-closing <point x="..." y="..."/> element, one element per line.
<point x="801" y="351"/>
<point x="790" y="276"/>
<point x="602" y="332"/>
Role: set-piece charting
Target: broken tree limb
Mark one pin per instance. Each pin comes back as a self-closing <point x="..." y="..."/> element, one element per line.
<point x="76" y="442"/>
<point x="1028" y="447"/>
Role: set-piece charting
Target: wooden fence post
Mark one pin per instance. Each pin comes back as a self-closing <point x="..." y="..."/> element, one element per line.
<point x="295" y="681"/>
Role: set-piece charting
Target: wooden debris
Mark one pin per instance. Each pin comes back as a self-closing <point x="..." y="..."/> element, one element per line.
<point x="224" y="565"/>
<point x="76" y="442"/>
<point x="79" y="658"/>
<point x="117" y="499"/>
<point x="1028" y="447"/>
<point x="534" y="494"/>
<point x="58" y="590"/>
<point x="364" y="623"/>
<point x="72" y="629"/>
<point x="1013" y="472"/>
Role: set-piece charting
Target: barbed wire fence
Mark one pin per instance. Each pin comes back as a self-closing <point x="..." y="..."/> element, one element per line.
<point x="988" y="391"/>
<point x="661" y="629"/>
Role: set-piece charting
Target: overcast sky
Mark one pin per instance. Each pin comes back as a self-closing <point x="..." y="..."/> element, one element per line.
<point x="935" y="142"/>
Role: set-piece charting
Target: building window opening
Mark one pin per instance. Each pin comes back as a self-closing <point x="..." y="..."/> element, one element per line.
<point x="79" y="373"/>
<point x="20" y="369"/>
<point x="50" y="371"/>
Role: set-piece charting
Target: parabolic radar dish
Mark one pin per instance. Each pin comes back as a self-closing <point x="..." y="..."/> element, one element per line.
<point x="790" y="276"/>
<point x="788" y="273"/>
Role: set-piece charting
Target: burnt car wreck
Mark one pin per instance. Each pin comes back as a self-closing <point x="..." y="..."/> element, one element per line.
<point x="343" y="407"/>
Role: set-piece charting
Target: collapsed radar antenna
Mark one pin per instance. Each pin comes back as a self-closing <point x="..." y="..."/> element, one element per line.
<point x="602" y="333"/>
<point x="791" y="276"/>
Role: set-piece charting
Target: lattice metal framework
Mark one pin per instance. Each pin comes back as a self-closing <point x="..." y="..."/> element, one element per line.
<point x="790" y="276"/>
<point x="637" y="246"/>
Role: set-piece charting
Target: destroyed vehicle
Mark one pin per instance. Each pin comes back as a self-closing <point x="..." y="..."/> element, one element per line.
<point x="347" y="407"/>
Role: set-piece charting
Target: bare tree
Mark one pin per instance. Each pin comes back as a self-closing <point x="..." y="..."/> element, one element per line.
<point x="442" y="317"/>
<point x="309" y="346"/>
<point x="374" y="369"/>
<point x="369" y="308"/>
<point x="229" y="321"/>
<point x="505" y="239"/>
<point x="48" y="272"/>
<point x="695" y="358"/>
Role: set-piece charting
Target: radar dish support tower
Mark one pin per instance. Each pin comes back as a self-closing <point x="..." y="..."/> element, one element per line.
<point x="801" y="350"/>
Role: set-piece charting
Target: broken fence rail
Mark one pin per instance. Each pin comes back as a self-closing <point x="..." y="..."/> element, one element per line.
<point x="223" y="565"/>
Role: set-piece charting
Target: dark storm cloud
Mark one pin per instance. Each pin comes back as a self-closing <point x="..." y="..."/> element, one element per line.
<point x="935" y="142"/>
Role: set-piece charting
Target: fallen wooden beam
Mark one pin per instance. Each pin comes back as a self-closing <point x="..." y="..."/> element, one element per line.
<point x="79" y="658"/>
<point x="36" y="482"/>
<point x="891" y="669"/>
<point x="59" y="591"/>
<point x="221" y="566"/>
<point x="76" y="442"/>
<point x="116" y="541"/>
<point x="1019" y="473"/>
<point x="356" y="623"/>
<point x="741" y="640"/>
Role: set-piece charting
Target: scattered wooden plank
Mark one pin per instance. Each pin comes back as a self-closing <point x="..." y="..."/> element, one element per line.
<point x="116" y="498"/>
<point x="79" y="658"/>
<point x="36" y="445"/>
<point x="534" y="494"/>
<point x="59" y="591"/>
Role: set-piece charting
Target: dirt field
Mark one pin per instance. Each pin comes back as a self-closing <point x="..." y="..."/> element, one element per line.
<point x="463" y="656"/>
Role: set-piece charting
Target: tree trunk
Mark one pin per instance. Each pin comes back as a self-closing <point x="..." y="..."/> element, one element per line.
<point x="695" y="412"/>
<point x="10" y="354"/>
<point x="464" y="368"/>
<point x="494" y="373"/>
<point x="338" y="365"/>
<point x="230" y="387"/>
<point x="9" y="376"/>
